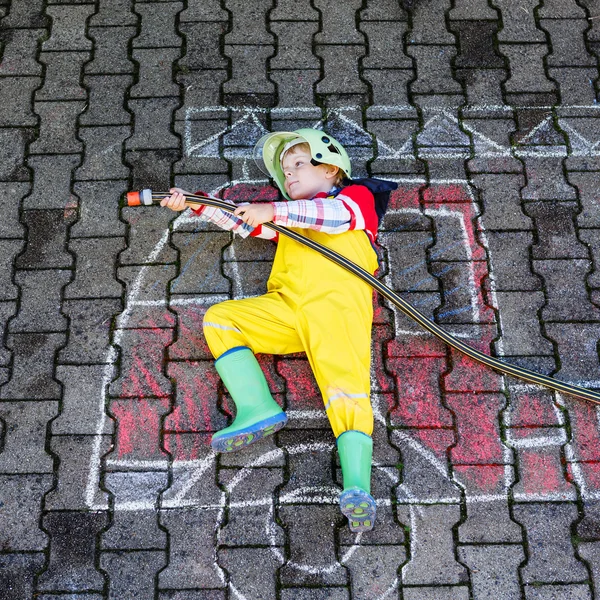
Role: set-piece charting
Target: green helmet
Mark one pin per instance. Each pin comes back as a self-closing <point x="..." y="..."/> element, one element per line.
<point x="323" y="149"/>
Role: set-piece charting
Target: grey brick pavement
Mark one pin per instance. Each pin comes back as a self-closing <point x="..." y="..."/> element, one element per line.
<point x="486" y="115"/>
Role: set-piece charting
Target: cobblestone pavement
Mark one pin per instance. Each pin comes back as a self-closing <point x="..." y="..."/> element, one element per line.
<point x="486" y="114"/>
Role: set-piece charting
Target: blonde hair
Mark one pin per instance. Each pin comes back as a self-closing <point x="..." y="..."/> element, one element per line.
<point x="305" y="147"/>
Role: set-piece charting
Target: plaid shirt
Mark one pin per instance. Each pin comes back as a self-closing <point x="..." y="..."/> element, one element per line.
<point x="351" y="208"/>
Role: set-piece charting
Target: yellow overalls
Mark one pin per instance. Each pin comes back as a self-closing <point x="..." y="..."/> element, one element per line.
<point x="315" y="306"/>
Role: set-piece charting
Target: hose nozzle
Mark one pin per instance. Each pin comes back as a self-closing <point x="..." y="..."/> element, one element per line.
<point x="143" y="197"/>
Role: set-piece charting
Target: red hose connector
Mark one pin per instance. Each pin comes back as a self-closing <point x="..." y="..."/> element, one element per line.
<point x="143" y="197"/>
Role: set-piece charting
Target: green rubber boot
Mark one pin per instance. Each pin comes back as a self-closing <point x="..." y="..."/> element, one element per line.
<point x="356" y="451"/>
<point x="257" y="414"/>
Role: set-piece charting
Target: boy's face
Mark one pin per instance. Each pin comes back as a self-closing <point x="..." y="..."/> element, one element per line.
<point x="303" y="180"/>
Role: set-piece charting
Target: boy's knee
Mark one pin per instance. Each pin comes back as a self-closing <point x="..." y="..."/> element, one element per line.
<point x="216" y="314"/>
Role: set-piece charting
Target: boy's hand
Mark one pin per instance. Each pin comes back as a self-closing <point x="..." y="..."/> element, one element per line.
<point x="255" y="214"/>
<point x="176" y="201"/>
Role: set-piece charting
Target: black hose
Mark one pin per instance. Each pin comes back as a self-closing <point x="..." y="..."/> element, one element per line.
<point x="506" y="368"/>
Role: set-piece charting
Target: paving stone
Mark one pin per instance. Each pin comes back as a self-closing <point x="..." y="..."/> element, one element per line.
<point x="72" y="556"/>
<point x="427" y="28"/>
<point x="135" y="525"/>
<point x="498" y="191"/>
<point x="110" y="49"/>
<point x="90" y="324"/>
<point x="94" y="272"/>
<point x="74" y="473"/>
<point x="251" y="514"/>
<point x="590" y="214"/>
<point x="46" y="239"/>
<point x="196" y="398"/>
<point x="530" y="406"/>
<point x="21" y="495"/>
<point x="338" y="23"/>
<point x="13" y="192"/>
<point x="106" y="100"/>
<point x="51" y="181"/>
<point x="252" y="570"/>
<point x="157" y="25"/>
<point x="132" y="574"/>
<point x="576" y="85"/>
<point x="200" y="88"/>
<point x="138" y="424"/>
<point x="247" y="27"/>
<point x="98" y="210"/>
<point x="373" y="570"/>
<point x="419" y="393"/>
<point x="309" y="527"/>
<point x="540" y="465"/>
<point x="200" y="256"/>
<point x="190" y="343"/>
<point x="202" y="43"/>
<point x="40" y="301"/>
<point x="244" y="88"/>
<point x="466" y="375"/>
<point x="82" y="402"/>
<point x="294" y="45"/>
<point x="32" y="369"/>
<point x="148" y="241"/>
<point x="567" y="42"/>
<point x="478" y="428"/>
<point x="488" y="513"/>
<point x="519" y="24"/>
<point x="102" y="157"/>
<point x="476" y="45"/>
<point x="68" y="26"/>
<point x="16" y="93"/>
<point x="192" y="557"/>
<point x="17" y="572"/>
<point x="577" y="350"/>
<point x="116" y="13"/>
<point x="432" y="559"/>
<point x="57" y="129"/>
<point x="155" y="78"/>
<point x="23" y="445"/>
<point x="62" y="79"/>
<point x="407" y="260"/>
<point x="425" y="475"/>
<point x="433" y="68"/>
<point x="521" y="333"/>
<point x="493" y="570"/>
<point x="151" y="168"/>
<point x="509" y="255"/>
<point x="526" y="68"/>
<point x="556" y="592"/>
<point x="556" y="236"/>
<point x="152" y="119"/>
<point x="26" y="15"/>
<point x="567" y="298"/>
<point x="192" y="595"/>
<point x="590" y="237"/>
<point x="483" y="87"/>
<point x="340" y="66"/>
<point x="248" y="279"/>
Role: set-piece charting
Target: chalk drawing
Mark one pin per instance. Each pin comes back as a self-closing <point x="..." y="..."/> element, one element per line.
<point x="461" y="217"/>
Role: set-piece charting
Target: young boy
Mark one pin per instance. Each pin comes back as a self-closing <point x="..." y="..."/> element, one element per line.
<point x="312" y="305"/>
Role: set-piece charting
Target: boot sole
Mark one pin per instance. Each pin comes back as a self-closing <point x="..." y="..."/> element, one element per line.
<point x="249" y="435"/>
<point x="360" y="508"/>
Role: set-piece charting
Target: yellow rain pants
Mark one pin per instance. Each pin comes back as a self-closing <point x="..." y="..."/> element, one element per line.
<point x="312" y="305"/>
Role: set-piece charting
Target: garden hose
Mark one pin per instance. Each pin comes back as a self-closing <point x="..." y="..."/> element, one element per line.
<point x="147" y="198"/>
